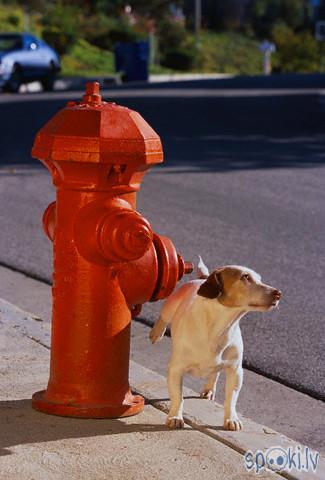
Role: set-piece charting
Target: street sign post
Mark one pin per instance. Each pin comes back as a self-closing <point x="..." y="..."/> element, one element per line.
<point x="267" y="48"/>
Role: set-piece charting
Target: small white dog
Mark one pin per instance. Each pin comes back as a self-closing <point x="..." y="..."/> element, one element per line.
<point x="204" y="315"/>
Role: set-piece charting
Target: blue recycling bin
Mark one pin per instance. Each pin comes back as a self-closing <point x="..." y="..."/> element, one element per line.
<point x="132" y="59"/>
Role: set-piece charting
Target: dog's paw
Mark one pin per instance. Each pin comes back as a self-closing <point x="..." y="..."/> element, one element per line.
<point x="233" y="424"/>
<point x="175" y="422"/>
<point x="208" y="394"/>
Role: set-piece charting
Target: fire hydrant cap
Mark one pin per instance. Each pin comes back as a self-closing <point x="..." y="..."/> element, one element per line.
<point x="96" y="131"/>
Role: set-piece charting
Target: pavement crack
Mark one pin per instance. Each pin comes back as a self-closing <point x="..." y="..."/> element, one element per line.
<point x="37" y="340"/>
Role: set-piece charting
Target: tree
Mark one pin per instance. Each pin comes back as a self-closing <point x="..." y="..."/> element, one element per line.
<point x="267" y="13"/>
<point x="220" y="14"/>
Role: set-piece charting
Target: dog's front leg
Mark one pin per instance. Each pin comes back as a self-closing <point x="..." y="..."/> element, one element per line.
<point x="175" y="384"/>
<point x="234" y="380"/>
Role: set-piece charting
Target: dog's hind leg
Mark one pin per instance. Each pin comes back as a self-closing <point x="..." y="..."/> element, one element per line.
<point x="167" y="313"/>
<point x="158" y="330"/>
<point x="209" y="389"/>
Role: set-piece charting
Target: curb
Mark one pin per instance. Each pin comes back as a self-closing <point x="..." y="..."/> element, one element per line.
<point x="181" y="77"/>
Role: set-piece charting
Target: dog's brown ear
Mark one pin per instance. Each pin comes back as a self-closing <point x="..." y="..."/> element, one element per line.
<point x="212" y="287"/>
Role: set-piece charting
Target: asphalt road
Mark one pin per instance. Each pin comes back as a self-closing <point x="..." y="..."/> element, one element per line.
<point x="243" y="183"/>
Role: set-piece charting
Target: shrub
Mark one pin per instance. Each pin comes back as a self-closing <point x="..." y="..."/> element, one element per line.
<point x="85" y="59"/>
<point x="175" y="45"/>
<point x="104" y="31"/>
<point x="61" y="26"/>
<point x="180" y="59"/>
<point x="59" y="40"/>
<point x="296" y="52"/>
<point x="11" y="19"/>
<point x="229" y="52"/>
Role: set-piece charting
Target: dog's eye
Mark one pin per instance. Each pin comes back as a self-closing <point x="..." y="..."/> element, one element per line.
<point x="246" y="277"/>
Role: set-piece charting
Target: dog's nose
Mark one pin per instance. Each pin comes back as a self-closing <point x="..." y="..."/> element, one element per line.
<point x="277" y="294"/>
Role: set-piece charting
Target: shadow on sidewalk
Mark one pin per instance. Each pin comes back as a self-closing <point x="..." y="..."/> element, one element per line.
<point x="20" y="425"/>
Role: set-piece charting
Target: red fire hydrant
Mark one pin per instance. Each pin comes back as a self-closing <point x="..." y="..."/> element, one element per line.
<point x="107" y="260"/>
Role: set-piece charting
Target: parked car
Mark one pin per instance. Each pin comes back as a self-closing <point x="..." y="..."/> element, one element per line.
<point x="25" y="58"/>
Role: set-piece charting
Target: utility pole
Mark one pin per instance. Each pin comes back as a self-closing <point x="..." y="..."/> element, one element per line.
<point x="198" y="17"/>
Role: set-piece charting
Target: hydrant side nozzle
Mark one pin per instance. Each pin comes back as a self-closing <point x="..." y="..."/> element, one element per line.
<point x="124" y="235"/>
<point x="111" y="231"/>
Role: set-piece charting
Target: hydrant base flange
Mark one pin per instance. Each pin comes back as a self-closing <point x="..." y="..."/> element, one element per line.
<point x="134" y="405"/>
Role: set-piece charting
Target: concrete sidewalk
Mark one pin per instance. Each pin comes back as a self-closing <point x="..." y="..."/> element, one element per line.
<point x="34" y="446"/>
<point x="268" y="402"/>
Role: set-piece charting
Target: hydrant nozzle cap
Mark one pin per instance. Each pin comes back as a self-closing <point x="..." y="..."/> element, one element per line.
<point x="124" y="235"/>
<point x="92" y="94"/>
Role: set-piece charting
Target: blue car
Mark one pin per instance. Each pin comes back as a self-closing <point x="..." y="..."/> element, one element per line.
<point x="25" y="58"/>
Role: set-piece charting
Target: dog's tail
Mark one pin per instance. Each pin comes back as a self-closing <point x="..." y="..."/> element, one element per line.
<point x="158" y="331"/>
<point x="201" y="269"/>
